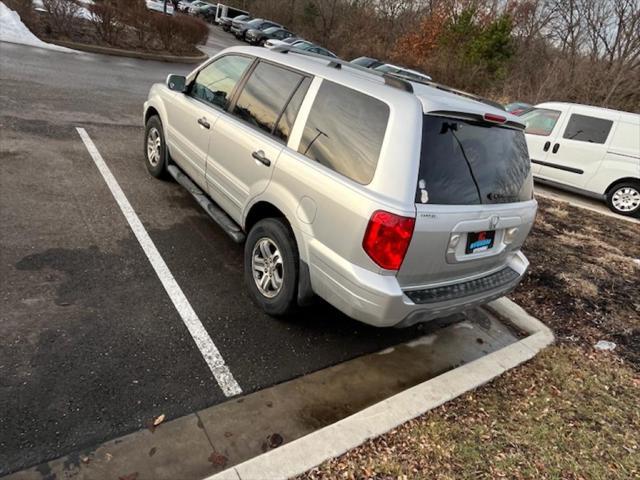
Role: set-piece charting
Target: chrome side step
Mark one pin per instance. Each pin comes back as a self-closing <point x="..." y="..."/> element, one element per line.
<point x="218" y="215"/>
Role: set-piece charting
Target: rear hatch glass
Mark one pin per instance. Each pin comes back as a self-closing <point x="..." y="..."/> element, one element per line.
<point x="467" y="162"/>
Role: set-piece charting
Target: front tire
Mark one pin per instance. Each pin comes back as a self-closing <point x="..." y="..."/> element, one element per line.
<point x="624" y="199"/>
<point x="271" y="266"/>
<point x="155" y="148"/>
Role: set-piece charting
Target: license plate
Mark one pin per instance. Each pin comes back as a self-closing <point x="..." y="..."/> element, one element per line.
<point x="480" y="241"/>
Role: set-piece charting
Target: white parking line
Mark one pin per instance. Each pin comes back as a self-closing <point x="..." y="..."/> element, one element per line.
<point x="206" y="346"/>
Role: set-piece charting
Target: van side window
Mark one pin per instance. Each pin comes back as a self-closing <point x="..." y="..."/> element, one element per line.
<point x="285" y="124"/>
<point x="587" y="129"/>
<point x="540" y="121"/>
<point x="265" y="95"/>
<point x="345" y="130"/>
<point x="215" y="82"/>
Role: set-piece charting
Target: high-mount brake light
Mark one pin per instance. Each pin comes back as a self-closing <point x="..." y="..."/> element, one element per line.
<point x="492" y="117"/>
<point x="387" y="238"/>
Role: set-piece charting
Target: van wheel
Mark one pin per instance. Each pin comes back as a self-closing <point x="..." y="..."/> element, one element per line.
<point x="624" y="198"/>
<point x="271" y="266"/>
<point x="155" y="149"/>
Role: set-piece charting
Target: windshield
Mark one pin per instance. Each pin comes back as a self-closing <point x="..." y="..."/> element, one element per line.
<point x="464" y="162"/>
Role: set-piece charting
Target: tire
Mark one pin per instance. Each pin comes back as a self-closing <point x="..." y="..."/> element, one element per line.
<point x="262" y="42"/>
<point x="274" y="236"/>
<point x="624" y="198"/>
<point x="156" y="160"/>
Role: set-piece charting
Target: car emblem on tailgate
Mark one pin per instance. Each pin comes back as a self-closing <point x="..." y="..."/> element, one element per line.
<point x="493" y="222"/>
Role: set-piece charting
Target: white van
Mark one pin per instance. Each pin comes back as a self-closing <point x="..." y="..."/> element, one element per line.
<point x="590" y="150"/>
<point x="223" y="10"/>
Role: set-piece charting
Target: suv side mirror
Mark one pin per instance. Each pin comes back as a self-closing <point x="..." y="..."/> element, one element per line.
<point x="177" y="83"/>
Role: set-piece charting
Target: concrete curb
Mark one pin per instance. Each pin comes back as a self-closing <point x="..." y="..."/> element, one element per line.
<point x="83" y="47"/>
<point x="336" y="439"/>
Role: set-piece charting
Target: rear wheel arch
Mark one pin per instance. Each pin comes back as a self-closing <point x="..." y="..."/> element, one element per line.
<point x="621" y="180"/>
<point x="265" y="209"/>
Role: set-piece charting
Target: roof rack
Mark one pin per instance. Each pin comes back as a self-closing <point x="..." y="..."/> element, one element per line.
<point x="389" y="79"/>
<point x="392" y="79"/>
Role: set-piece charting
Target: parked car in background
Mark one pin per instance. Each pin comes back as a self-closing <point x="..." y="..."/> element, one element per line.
<point x="225" y="11"/>
<point x="259" y="37"/>
<point x="367" y="62"/>
<point x="395" y="201"/>
<point x="240" y="29"/>
<point x="225" y="22"/>
<point x="403" y="72"/>
<point x="158" y="6"/>
<point x="195" y="6"/>
<point x="589" y="150"/>
<point x="313" y="48"/>
<point x="272" y="42"/>
<point x="207" y="13"/>
<point x="518" y="108"/>
<point x="183" y="5"/>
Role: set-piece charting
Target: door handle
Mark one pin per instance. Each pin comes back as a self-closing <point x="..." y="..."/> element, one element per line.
<point x="203" y="121"/>
<point x="546" y="147"/>
<point x="555" y="148"/>
<point x="259" y="155"/>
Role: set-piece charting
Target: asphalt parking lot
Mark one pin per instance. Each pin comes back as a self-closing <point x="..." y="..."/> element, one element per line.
<point x="92" y="346"/>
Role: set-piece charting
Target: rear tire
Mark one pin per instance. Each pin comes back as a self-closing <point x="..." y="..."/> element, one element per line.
<point x="624" y="198"/>
<point x="271" y="266"/>
<point x="155" y="148"/>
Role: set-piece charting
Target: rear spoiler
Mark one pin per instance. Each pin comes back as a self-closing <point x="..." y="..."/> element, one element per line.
<point x="474" y="117"/>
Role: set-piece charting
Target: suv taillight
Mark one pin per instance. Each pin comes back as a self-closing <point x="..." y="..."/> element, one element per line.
<point x="387" y="238"/>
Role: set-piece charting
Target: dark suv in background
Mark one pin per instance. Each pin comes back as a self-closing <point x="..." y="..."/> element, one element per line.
<point x="240" y="28"/>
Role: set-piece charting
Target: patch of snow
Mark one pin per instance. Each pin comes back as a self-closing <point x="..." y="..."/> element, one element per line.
<point x="14" y="31"/>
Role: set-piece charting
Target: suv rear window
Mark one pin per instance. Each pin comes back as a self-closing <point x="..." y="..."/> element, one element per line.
<point x="345" y="130"/>
<point x="463" y="162"/>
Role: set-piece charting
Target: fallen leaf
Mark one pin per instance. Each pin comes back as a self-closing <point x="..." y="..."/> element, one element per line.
<point x="217" y="459"/>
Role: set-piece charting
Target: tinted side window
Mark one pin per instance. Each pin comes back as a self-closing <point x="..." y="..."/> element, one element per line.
<point x="215" y="83"/>
<point x="283" y="130"/>
<point x="587" y="129"/>
<point x="540" y="121"/>
<point x="265" y="95"/>
<point x="345" y="130"/>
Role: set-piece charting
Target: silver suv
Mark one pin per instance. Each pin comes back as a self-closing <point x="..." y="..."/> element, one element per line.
<point x="395" y="201"/>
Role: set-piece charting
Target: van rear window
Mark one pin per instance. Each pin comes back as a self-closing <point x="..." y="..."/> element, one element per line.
<point x="463" y="162"/>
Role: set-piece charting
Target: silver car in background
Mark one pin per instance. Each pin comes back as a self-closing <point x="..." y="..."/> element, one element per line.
<point x="395" y="201"/>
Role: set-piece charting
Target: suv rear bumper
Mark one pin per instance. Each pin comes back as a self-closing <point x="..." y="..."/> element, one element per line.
<point x="379" y="301"/>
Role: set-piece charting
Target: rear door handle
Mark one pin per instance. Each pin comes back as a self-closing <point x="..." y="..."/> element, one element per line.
<point x="203" y="121"/>
<point x="259" y="155"/>
<point x="546" y="147"/>
<point x="555" y="148"/>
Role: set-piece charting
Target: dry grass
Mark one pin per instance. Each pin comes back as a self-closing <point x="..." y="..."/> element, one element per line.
<point x="568" y="414"/>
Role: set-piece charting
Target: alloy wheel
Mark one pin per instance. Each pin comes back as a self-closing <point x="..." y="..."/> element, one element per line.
<point x="267" y="267"/>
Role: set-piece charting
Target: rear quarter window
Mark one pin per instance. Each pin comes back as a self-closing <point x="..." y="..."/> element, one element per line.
<point x="587" y="129"/>
<point x="345" y="131"/>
